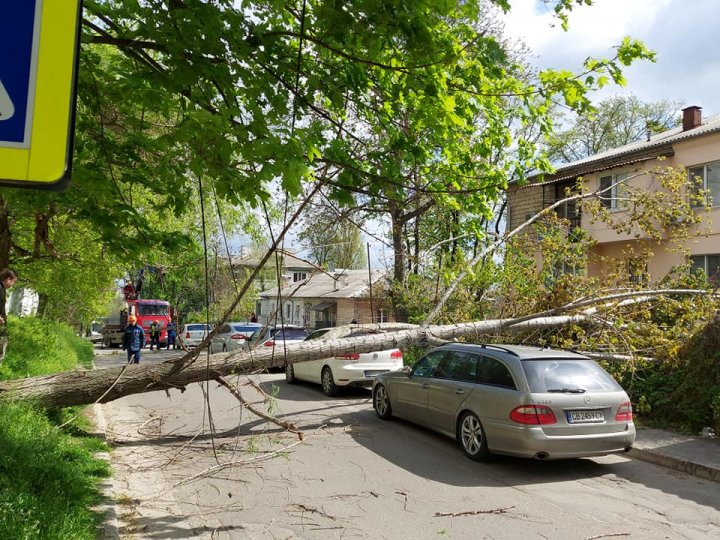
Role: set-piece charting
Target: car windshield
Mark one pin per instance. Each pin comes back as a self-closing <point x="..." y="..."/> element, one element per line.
<point x="317" y="334"/>
<point x="568" y="375"/>
<point x="153" y="309"/>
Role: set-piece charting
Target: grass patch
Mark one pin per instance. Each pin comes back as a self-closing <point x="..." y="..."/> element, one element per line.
<point x="49" y="476"/>
<point x="38" y="347"/>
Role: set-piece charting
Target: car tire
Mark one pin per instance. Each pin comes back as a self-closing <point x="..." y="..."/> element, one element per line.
<point x="381" y="402"/>
<point x="329" y="387"/>
<point x="290" y="374"/>
<point x="471" y="436"/>
<point x="224" y="349"/>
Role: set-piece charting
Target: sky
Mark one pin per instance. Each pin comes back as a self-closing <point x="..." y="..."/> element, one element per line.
<point x="685" y="34"/>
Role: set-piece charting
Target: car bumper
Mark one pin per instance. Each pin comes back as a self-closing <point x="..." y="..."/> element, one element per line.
<point x="532" y="442"/>
<point x="362" y="374"/>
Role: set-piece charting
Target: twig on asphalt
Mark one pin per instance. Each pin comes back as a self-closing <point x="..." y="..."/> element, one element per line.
<point x="230" y="464"/>
<point x="607" y="535"/>
<point x="474" y="512"/>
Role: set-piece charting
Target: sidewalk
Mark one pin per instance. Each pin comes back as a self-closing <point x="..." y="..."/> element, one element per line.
<point x="697" y="456"/>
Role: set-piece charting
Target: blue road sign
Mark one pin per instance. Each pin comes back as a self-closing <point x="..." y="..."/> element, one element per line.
<point x="19" y="29"/>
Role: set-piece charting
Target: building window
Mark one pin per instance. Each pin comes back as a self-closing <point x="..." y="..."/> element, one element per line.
<point x="299" y="276"/>
<point x="706" y="177"/>
<point x="637" y="271"/>
<point x="612" y="198"/>
<point x="569" y="210"/>
<point x="381" y="316"/>
<point x="709" y="264"/>
<point x="288" y="311"/>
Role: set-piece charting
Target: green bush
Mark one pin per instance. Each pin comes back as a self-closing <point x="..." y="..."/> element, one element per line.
<point x="48" y="474"/>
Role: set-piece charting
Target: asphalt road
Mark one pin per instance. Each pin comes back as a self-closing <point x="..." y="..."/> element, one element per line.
<point x="196" y="464"/>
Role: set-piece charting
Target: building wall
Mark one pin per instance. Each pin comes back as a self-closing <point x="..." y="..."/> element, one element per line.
<point x="523" y="202"/>
<point x="618" y="246"/>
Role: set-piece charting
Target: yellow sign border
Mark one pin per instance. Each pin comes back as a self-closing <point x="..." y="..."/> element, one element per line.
<point x="47" y="162"/>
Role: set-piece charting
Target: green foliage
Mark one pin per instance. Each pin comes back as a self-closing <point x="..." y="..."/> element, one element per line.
<point x="48" y="475"/>
<point x="40" y="347"/>
<point x="681" y="388"/>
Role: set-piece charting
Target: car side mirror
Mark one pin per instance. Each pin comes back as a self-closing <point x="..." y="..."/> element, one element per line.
<point x="407" y="370"/>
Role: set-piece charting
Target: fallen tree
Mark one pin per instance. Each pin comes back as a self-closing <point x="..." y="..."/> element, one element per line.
<point x="103" y="385"/>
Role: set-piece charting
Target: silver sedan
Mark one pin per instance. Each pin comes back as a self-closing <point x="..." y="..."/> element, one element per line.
<point x="514" y="400"/>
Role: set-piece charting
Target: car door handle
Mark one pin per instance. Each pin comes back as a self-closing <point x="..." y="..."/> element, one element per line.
<point x="426" y="385"/>
<point x="459" y="391"/>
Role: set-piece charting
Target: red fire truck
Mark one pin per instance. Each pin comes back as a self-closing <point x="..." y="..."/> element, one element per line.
<point x="146" y="310"/>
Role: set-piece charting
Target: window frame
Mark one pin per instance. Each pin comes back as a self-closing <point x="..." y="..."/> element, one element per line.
<point x="714" y="201"/>
<point x="715" y="277"/>
<point x="614" y="204"/>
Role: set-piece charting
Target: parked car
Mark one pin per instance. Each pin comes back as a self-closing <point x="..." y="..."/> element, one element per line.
<point x="271" y="336"/>
<point x="232" y="336"/>
<point x="192" y="334"/>
<point x="515" y="400"/>
<point x="357" y="369"/>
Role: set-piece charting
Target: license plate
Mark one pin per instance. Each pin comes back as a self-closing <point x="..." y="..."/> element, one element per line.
<point x="372" y="373"/>
<point x="584" y="417"/>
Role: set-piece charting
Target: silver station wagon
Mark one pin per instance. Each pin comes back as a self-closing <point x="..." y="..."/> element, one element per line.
<point x="514" y="400"/>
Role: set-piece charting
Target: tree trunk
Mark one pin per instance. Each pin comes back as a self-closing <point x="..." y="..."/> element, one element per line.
<point x="4" y="235"/>
<point x="83" y="387"/>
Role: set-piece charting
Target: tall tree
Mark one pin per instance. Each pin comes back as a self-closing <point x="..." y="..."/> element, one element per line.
<point x="332" y="237"/>
<point x="616" y="121"/>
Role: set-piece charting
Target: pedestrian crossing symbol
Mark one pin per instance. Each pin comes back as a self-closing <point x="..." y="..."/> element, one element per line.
<point x="38" y="53"/>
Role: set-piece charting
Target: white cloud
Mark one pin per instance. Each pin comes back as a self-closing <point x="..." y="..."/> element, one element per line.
<point x="684" y="35"/>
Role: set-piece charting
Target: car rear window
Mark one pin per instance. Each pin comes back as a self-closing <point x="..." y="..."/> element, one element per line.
<point x="243" y="328"/>
<point x="196" y="327"/>
<point x="556" y="375"/>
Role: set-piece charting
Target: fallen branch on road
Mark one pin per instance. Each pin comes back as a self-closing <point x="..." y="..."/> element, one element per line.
<point x="236" y="392"/>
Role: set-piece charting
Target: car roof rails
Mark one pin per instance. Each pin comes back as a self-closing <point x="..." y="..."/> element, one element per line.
<point x="499" y="347"/>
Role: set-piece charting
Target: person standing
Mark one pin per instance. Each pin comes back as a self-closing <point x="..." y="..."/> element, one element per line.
<point x="155" y="335"/>
<point x="133" y="340"/>
<point x="171" y="334"/>
<point x="8" y="278"/>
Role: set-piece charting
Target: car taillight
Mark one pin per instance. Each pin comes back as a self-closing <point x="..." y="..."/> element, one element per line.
<point x="187" y="335"/>
<point x="396" y="354"/>
<point x="238" y="336"/>
<point x="624" y="412"/>
<point x="354" y="356"/>
<point x="533" y="415"/>
<point x="269" y="343"/>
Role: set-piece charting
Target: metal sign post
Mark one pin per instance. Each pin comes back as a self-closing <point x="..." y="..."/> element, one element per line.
<point x="39" y="44"/>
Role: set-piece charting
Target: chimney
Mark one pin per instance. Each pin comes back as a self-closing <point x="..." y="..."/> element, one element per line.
<point x="692" y="117"/>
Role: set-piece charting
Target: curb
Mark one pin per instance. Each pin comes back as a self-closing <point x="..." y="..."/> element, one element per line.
<point x="108" y="508"/>
<point x="676" y="464"/>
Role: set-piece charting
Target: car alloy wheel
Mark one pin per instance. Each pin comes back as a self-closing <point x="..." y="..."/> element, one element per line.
<point x="328" y="383"/>
<point x="289" y="374"/>
<point x="472" y="437"/>
<point x="381" y="402"/>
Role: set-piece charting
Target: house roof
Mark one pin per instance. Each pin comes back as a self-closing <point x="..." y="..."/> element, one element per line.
<point x="660" y="144"/>
<point x="289" y="261"/>
<point x="331" y="285"/>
